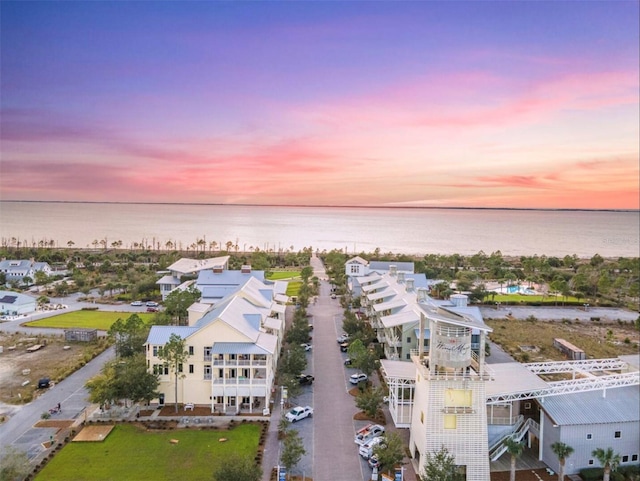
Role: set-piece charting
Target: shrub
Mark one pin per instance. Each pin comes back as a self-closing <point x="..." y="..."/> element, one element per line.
<point x="591" y="474"/>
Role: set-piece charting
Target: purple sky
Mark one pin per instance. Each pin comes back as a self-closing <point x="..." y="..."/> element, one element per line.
<point x="491" y="104"/>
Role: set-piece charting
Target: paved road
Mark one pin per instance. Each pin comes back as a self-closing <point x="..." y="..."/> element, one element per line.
<point x="336" y="454"/>
<point x="71" y="395"/>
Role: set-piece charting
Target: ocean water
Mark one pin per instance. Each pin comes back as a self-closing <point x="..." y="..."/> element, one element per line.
<point x="401" y="230"/>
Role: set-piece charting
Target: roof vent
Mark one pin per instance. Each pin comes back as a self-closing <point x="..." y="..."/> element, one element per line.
<point x="218" y="270"/>
<point x="401" y="277"/>
<point x="422" y="294"/>
<point x="459" y="300"/>
<point x="393" y="270"/>
<point x="410" y="284"/>
<point x="245" y="269"/>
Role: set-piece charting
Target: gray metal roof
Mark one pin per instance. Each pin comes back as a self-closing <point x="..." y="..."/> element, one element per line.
<point x="237" y="348"/>
<point x="159" y="335"/>
<point x="385" y="266"/>
<point x="615" y="405"/>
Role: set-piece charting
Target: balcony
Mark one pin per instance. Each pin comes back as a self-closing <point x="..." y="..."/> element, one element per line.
<point x="241" y="381"/>
<point x="238" y="362"/>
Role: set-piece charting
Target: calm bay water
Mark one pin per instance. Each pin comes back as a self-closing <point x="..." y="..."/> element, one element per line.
<point x="409" y="231"/>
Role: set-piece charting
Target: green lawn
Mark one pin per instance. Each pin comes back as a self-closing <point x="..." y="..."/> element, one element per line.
<point x="86" y="319"/>
<point x="132" y="453"/>
<point x="280" y="275"/>
<point x="522" y="298"/>
<point x="293" y="289"/>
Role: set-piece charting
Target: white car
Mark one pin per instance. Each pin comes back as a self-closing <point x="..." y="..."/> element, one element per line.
<point x="366" y="450"/>
<point x="136" y="303"/>
<point x="358" y="377"/>
<point x="152" y="304"/>
<point x="298" y="413"/>
<point x="367" y="433"/>
<point x="343" y="338"/>
<point x="306" y="347"/>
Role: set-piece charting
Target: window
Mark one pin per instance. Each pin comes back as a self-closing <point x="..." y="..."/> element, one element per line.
<point x="191" y="350"/>
<point x="190" y="368"/>
<point x="408" y="339"/>
<point x="589" y="436"/>
<point x="155" y="350"/>
<point x="161" y="369"/>
<point x="625" y="459"/>
<point x="207" y="371"/>
<point x="180" y="367"/>
<point x="634" y="457"/>
<point x="408" y="356"/>
<point x="450" y="421"/>
<point x="591" y="461"/>
<point x="527" y="405"/>
<point x="457" y="398"/>
<point x="617" y="434"/>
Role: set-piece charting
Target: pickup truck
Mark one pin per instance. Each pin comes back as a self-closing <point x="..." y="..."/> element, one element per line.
<point x="367" y="433"/>
<point x="366" y="450"/>
<point x="298" y="413"/>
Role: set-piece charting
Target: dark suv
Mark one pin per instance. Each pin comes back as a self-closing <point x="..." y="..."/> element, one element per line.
<point x="44" y="383"/>
<point x="306" y="379"/>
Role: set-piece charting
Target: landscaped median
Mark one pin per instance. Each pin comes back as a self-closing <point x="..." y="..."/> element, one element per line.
<point x="151" y="452"/>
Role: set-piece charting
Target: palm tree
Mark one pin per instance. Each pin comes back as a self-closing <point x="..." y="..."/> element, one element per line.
<point x="514" y="448"/>
<point x="608" y="459"/>
<point x="563" y="451"/>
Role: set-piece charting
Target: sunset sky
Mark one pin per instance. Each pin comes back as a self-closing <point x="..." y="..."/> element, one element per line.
<point x="474" y="104"/>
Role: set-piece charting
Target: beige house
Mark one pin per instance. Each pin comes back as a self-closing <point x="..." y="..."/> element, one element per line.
<point x="233" y="351"/>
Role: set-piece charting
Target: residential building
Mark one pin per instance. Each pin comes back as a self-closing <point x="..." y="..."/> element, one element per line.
<point x="16" y="304"/>
<point x="18" y="270"/>
<point x="185" y="267"/>
<point x="233" y="351"/>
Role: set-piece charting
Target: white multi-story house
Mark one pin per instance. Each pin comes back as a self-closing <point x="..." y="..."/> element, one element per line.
<point x="18" y="270"/>
<point x="233" y="351"/>
<point x="188" y="267"/>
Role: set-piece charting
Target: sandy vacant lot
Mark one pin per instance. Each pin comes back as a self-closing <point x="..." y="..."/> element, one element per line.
<point x="18" y="365"/>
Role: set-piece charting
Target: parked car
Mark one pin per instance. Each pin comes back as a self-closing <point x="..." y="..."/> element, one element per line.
<point x="343" y="338"/>
<point x="306" y="347"/>
<point x="366" y="450"/>
<point x="367" y="433"/>
<point x="333" y="296"/>
<point x="152" y="304"/>
<point x="136" y="303"/>
<point x="358" y="377"/>
<point x="306" y="379"/>
<point x="347" y="362"/>
<point x="44" y="383"/>
<point x="152" y="309"/>
<point x="298" y="413"/>
<point x="373" y="461"/>
<point x="344" y="346"/>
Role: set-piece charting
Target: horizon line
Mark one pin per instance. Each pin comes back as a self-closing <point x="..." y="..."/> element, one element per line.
<point x="324" y="206"/>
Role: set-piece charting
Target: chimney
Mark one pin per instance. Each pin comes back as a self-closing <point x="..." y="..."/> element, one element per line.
<point x="246" y="269"/>
<point x="218" y="270"/>
<point x="410" y="284"/>
<point x="400" y="277"/>
<point x="393" y="270"/>
<point x="459" y="300"/>
<point x="422" y="294"/>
